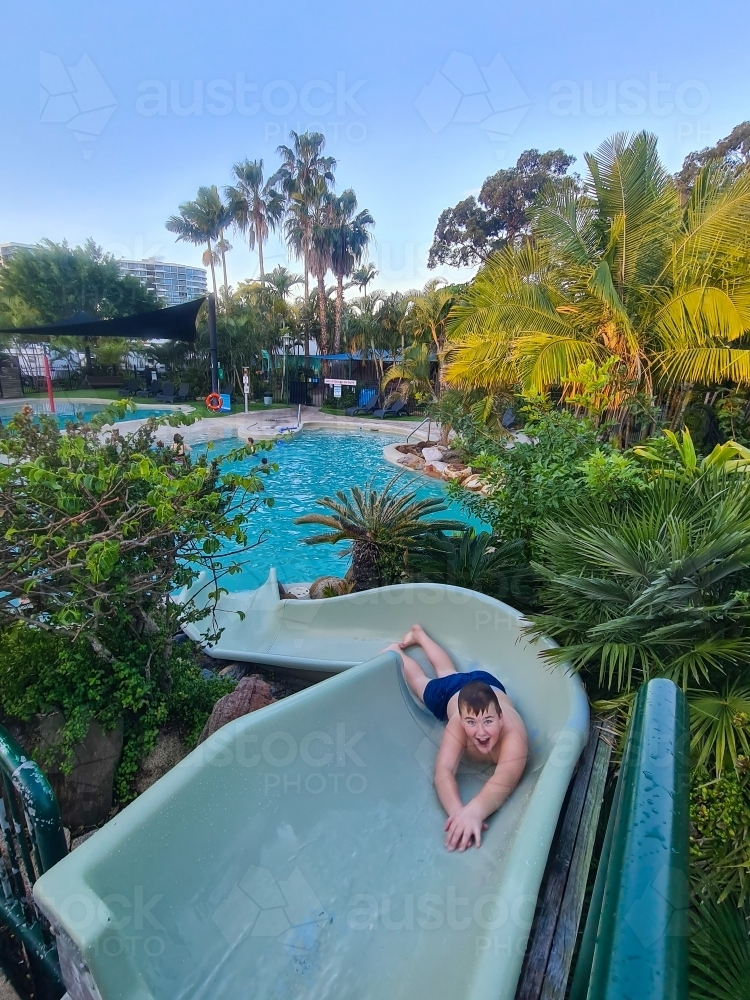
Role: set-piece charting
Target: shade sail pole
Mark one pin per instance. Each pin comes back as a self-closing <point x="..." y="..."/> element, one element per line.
<point x="48" y="378"/>
<point x="213" y="343"/>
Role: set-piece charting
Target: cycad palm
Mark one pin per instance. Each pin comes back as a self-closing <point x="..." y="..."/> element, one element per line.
<point x="255" y="206"/>
<point x="383" y="526"/>
<point x="621" y="269"/>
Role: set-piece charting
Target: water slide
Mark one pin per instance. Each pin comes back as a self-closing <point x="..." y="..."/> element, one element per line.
<point x="298" y="853"/>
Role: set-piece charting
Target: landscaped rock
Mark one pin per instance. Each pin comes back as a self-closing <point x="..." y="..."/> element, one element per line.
<point x="250" y="694"/>
<point x="412" y="462"/>
<point x="457" y="474"/>
<point x="85" y="793"/>
<point x="434" y="454"/>
<point x="327" y="586"/>
<point x="168" y="752"/>
<point x="472" y="483"/>
<point x="435" y="469"/>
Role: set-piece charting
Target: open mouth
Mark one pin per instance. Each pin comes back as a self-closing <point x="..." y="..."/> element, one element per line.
<point x="483" y="742"/>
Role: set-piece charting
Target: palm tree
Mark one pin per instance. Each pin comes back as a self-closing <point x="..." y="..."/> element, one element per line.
<point x="281" y="281"/>
<point x="321" y="251"/>
<point x="349" y="239"/>
<point x="256" y="207"/>
<point x="413" y="370"/>
<point x="303" y="171"/>
<point x="362" y="278"/>
<point x="428" y="317"/>
<point x="622" y="270"/>
<point x="383" y="528"/>
<point x="188" y="231"/>
<point x="204" y="221"/>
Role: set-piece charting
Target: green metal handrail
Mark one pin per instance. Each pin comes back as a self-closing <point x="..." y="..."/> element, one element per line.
<point x="635" y="942"/>
<point x="32" y="841"/>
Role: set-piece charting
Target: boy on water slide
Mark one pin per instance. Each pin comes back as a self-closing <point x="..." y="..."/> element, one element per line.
<point x="481" y="723"/>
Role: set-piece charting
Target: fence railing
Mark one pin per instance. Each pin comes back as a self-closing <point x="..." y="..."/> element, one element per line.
<point x="635" y="942"/>
<point x="31" y="841"/>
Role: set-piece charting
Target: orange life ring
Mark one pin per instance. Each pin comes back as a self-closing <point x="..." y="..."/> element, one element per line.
<point x="214" y="401"/>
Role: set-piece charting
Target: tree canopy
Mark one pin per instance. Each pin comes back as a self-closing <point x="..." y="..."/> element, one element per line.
<point x="475" y="227"/>
<point x="54" y="281"/>
<point x="733" y="151"/>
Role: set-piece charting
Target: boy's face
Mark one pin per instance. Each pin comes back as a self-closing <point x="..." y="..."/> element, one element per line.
<point x="483" y="730"/>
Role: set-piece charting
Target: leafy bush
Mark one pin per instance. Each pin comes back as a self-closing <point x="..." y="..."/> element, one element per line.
<point x="564" y="464"/>
<point x="96" y="531"/>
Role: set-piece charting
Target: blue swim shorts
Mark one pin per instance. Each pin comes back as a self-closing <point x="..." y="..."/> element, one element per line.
<point x="439" y="691"/>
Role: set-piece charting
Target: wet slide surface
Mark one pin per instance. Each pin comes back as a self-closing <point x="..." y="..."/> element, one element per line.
<point x="298" y="853"/>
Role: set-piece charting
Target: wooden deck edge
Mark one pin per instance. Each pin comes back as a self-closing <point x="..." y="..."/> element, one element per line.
<point x="554" y="931"/>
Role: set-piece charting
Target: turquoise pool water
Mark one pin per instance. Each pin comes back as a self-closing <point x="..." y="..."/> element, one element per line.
<point x="315" y="464"/>
<point x="66" y="410"/>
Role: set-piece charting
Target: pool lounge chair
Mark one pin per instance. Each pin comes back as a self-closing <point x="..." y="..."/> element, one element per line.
<point x="130" y="388"/>
<point x="151" y="389"/>
<point x="360" y="411"/>
<point x="395" y="410"/>
<point x="183" y="392"/>
<point x="166" y="395"/>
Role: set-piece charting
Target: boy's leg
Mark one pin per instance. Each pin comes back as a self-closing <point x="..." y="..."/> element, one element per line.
<point x="414" y="676"/>
<point x="437" y="656"/>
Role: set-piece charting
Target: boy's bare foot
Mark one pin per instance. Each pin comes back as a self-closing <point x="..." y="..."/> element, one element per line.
<point x="413" y="637"/>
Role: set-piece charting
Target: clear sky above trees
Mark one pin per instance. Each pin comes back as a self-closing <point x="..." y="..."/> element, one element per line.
<point x="372" y="63"/>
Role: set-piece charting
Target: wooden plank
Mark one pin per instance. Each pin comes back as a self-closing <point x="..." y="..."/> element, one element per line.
<point x="566" y="932"/>
<point x="555" y="878"/>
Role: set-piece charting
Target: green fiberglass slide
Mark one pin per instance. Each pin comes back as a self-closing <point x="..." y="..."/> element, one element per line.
<point x="298" y="853"/>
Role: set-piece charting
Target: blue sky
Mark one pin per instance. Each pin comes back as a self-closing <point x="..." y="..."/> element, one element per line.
<point x="144" y="101"/>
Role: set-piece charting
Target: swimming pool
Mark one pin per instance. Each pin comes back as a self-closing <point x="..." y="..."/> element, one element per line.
<point x="314" y="464"/>
<point x="67" y="410"/>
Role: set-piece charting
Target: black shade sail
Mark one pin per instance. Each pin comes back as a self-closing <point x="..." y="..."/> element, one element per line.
<point x="173" y="323"/>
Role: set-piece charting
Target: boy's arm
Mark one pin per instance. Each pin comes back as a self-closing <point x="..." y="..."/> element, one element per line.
<point x="508" y="771"/>
<point x="466" y="825"/>
<point x="449" y="755"/>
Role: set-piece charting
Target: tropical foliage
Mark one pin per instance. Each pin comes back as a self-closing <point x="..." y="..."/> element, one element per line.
<point x="54" y="281"/>
<point x="96" y="530"/>
<point x="618" y="269"/>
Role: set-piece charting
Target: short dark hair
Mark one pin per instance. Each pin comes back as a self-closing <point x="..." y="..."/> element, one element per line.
<point x="476" y="697"/>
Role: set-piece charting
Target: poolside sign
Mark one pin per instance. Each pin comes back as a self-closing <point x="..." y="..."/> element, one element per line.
<point x="340" y="381"/>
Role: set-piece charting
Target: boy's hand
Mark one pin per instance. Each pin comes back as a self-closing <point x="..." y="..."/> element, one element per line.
<point x="464" y="827"/>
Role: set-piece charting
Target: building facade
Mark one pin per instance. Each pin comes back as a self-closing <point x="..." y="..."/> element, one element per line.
<point x="172" y="283"/>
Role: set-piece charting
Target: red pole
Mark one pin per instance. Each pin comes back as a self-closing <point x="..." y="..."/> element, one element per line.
<point x="48" y="377"/>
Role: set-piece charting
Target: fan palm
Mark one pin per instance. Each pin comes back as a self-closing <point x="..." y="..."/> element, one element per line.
<point x="256" y="206"/>
<point x="652" y="590"/>
<point x="620" y="269"/>
<point x="303" y="171"/>
<point x="349" y="238"/>
<point x="383" y="526"/>
<point x="720" y="951"/>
